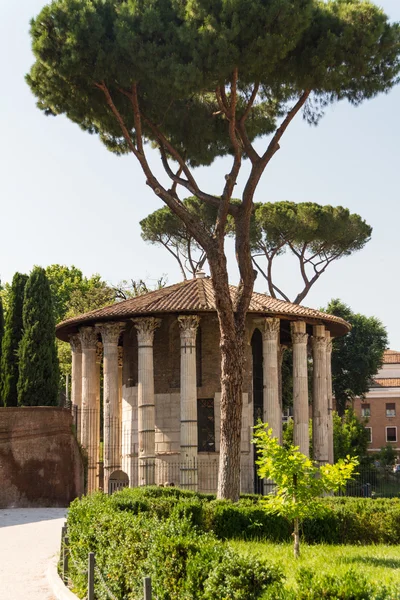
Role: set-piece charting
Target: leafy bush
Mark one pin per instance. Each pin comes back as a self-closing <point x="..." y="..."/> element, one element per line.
<point x="349" y="586"/>
<point x="135" y="534"/>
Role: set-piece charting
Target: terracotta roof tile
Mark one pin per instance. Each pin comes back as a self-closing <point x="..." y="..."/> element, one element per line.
<point x="194" y="295"/>
<point x="391" y="357"/>
<point x="386" y="383"/>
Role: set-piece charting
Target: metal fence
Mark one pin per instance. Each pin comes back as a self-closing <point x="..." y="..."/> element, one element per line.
<point x="373" y="482"/>
<point x="96" y="580"/>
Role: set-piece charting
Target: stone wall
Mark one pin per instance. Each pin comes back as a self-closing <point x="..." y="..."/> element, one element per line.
<point x="40" y="461"/>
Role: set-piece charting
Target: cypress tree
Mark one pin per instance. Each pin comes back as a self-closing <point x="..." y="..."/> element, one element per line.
<point x="11" y="340"/>
<point x="38" y="364"/>
<point x="1" y="344"/>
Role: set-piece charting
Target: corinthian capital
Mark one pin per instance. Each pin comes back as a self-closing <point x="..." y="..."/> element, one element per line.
<point x="145" y="330"/>
<point x="110" y="332"/>
<point x="75" y="341"/>
<point x="188" y="325"/>
<point x="271" y="328"/>
<point x="318" y="342"/>
<point x="88" y="337"/>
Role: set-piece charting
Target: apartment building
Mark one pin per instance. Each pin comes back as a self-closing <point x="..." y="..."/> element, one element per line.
<point x="381" y="405"/>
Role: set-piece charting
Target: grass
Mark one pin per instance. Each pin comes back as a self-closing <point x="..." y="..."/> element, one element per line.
<point x="380" y="564"/>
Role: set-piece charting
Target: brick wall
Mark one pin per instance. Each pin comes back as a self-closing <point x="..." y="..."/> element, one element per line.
<point x="40" y="462"/>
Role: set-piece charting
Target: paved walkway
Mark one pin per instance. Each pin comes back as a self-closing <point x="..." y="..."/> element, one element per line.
<point x="29" y="538"/>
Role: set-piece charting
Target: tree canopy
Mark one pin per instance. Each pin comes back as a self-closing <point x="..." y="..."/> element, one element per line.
<point x="163" y="227"/>
<point x="316" y="235"/>
<point x="201" y="80"/>
<point x="357" y="356"/>
<point x="38" y="364"/>
<point x="350" y="437"/>
<point x="9" y="370"/>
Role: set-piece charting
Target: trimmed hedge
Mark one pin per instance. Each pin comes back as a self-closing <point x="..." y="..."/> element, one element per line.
<point x="176" y="537"/>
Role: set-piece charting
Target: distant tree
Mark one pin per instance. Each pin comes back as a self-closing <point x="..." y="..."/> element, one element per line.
<point x="1" y="341"/>
<point x="9" y="369"/>
<point x="387" y="455"/>
<point x="63" y="282"/>
<point x="299" y="482"/>
<point x="316" y="235"/>
<point x="38" y="366"/>
<point x="164" y="228"/>
<point x="356" y="356"/>
<point x="133" y="288"/>
<point x="350" y="437"/>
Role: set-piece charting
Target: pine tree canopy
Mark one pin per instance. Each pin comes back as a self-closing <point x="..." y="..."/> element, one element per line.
<point x="38" y="365"/>
<point x="12" y="337"/>
<point x="99" y="58"/>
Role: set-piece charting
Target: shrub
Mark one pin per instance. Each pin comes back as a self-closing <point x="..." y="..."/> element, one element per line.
<point x="347" y="586"/>
<point x="136" y="534"/>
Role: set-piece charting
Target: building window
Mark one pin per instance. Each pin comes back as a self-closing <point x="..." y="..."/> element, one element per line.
<point x="369" y="434"/>
<point x="391" y="434"/>
<point x="205" y="425"/>
<point x="365" y="410"/>
<point x="391" y="410"/>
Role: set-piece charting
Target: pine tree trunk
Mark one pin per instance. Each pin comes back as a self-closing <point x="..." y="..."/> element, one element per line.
<point x="232" y="344"/>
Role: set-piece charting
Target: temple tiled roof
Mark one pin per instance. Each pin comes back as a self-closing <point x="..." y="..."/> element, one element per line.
<point x="196" y="296"/>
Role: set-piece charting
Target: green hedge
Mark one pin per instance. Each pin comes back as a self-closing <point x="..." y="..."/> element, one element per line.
<point x="136" y="534"/>
<point x="176" y="537"/>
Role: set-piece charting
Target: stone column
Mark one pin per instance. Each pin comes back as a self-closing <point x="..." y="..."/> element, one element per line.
<point x="146" y="401"/>
<point x="120" y="362"/>
<point x="301" y="437"/>
<point x="281" y="353"/>
<point x="330" y="395"/>
<point x="110" y="333"/>
<point x="320" y="396"/>
<point x="76" y="381"/>
<point x="272" y="410"/>
<point x="100" y="465"/>
<point x="89" y="417"/>
<point x="189" y="443"/>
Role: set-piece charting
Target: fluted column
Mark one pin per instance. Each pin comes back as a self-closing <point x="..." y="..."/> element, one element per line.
<point x="320" y="396"/>
<point x="189" y="443"/>
<point x="99" y="470"/>
<point x="330" y="396"/>
<point x="120" y="362"/>
<point x="281" y="353"/>
<point x="301" y="437"/>
<point x="146" y="402"/>
<point x="89" y="418"/>
<point x="110" y="333"/>
<point x="76" y="380"/>
<point x="272" y="410"/>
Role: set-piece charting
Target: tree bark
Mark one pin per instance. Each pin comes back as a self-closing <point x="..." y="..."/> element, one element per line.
<point x="232" y="346"/>
<point x="296" y="537"/>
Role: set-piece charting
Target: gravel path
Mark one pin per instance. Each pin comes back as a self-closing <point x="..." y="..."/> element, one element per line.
<point x="29" y="538"/>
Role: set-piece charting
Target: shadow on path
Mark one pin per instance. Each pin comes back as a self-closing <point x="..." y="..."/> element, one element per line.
<point x="22" y="516"/>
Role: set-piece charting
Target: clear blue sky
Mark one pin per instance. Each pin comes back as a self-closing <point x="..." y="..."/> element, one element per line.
<point x="65" y="199"/>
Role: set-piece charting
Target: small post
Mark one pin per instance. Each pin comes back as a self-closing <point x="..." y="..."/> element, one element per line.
<point x="147" y="588"/>
<point x="65" y="559"/>
<point x="63" y="534"/>
<point x="90" y="595"/>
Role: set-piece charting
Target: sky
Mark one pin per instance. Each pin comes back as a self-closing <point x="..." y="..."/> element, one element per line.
<point x="65" y="199"/>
